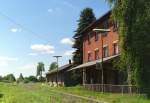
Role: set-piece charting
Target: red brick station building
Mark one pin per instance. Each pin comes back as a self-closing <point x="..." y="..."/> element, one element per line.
<point x="100" y="46"/>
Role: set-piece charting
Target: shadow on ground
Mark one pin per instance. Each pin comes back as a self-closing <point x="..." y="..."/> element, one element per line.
<point x="1" y="95"/>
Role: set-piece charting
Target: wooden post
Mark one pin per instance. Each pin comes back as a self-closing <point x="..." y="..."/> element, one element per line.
<point x="102" y="81"/>
<point x="57" y="57"/>
<point x="122" y="89"/>
<point x="84" y="76"/>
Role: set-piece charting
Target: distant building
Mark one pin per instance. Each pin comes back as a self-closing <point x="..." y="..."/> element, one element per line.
<point x="51" y="76"/>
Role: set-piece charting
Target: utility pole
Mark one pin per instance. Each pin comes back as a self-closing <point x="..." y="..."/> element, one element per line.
<point x="102" y="64"/>
<point x="57" y="57"/>
<point x="102" y="69"/>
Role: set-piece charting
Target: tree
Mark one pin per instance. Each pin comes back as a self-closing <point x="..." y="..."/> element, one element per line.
<point x="42" y="79"/>
<point x="134" y="22"/>
<point x="31" y="79"/>
<point x="40" y="69"/>
<point x="21" y="78"/>
<point x="10" y="78"/>
<point x="1" y="78"/>
<point x="53" y="66"/>
<point x="86" y="17"/>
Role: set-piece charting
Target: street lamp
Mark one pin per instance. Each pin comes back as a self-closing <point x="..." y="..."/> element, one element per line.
<point x="57" y="57"/>
<point x="102" y="31"/>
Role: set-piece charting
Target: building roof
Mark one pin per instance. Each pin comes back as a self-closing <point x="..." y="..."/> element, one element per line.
<point x="59" y="69"/>
<point x="95" y="22"/>
<point x="93" y="62"/>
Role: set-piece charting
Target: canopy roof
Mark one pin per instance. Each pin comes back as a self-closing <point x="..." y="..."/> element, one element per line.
<point x="94" y="62"/>
<point x="59" y="69"/>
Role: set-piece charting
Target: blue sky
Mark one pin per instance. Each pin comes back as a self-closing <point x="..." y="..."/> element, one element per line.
<point x="34" y="30"/>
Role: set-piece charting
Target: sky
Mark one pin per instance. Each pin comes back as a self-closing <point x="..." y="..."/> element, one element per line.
<point x="33" y="31"/>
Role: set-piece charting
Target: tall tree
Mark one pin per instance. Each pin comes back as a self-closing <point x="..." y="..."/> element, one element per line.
<point x="86" y="17"/>
<point x="40" y="69"/>
<point x="134" y="23"/>
<point x="53" y="66"/>
<point x="21" y="78"/>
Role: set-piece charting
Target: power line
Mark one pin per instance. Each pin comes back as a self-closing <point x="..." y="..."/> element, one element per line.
<point x="22" y="26"/>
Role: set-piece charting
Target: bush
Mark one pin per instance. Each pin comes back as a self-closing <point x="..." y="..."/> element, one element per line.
<point x="9" y="78"/>
<point x="1" y="78"/>
<point x="42" y="79"/>
<point x="26" y="81"/>
<point x="32" y="79"/>
<point x="8" y="99"/>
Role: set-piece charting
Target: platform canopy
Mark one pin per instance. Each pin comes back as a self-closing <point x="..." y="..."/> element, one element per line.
<point x="64" y="67"/>
<point x="94" y="62"/>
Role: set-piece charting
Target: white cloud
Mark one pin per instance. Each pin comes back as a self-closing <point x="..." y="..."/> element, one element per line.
<point x="32" y="54"/>
<point x="50" y="10"/>
<point x="14" y="30"/>
<point x="56" y="10"/>
<point x="69" y="53"/>
<point x="68" y="4"/>
<point x="44" y="49"/>
<point x="67" y="41"/>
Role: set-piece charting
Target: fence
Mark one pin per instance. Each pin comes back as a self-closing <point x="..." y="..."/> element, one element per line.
<point x="113" y="88"/>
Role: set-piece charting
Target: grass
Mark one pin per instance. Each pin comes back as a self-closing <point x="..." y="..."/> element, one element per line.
<point x="108" y="97"/>
<point x="25" y="93"/>
<point x="38" y="93"/>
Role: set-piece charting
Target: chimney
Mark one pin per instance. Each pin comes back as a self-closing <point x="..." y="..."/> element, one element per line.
<point x="69" y="61"/>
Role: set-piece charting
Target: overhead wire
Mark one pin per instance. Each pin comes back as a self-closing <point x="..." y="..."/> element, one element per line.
<point x="23" y="27"/>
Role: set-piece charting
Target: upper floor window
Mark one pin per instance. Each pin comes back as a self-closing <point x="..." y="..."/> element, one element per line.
<point x="89" y="56"/>
<point x="115" y="48"/>
<point x="89" y="37"/>
<point x="96" y="36"/>
<point x="105" y="26"/>
<point x="105" y="51"/>
<point x="115" y="26"/>
<point x="96" y="54"/>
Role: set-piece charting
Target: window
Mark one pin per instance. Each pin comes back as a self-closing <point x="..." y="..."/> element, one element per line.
<point x="96" y="36"/>
<point x="105" y="51"/>
<point x="105" y="26"/>
<point x="89" y="57"/>
<point x="115" y="48"/>
<point x="115" y="26"/>
<point x="89" y="37"/>
<point x="96" y="54"/>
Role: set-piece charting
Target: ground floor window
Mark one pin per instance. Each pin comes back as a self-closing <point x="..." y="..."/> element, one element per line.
<point x="115" y="48"/>
<point x="105" y="51"/>
<point x="96" y="54"/>
<point x="89" y="57"/>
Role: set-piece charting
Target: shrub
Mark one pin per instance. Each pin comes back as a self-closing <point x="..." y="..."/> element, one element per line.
<point x="8" y="99"/>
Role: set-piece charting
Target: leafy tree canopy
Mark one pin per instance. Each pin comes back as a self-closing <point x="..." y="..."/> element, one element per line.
<point x="134" y="22"/>
<point x="53" y="66"/>
<point x="40" y="69"/>
<point x="86" y="17"/>
<point x="32" y="79"/>
<point x="10" y="78"/>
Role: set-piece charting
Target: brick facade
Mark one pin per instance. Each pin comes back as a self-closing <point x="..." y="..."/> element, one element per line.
<point x="92" y="41"/>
